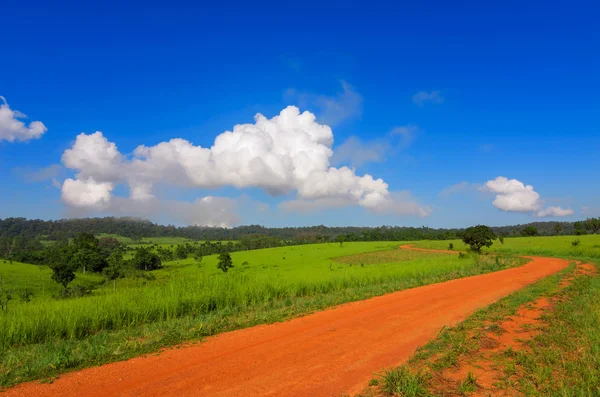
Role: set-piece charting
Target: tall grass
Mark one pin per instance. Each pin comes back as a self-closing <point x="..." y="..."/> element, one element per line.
<point x="199" y="294"/>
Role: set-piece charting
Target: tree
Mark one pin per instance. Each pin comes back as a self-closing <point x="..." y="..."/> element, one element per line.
<point x="529" y="231"/>
<point x="107" y="245"/>
<point x="558" y="228"/>
<point x="145" y="259"/>
<point x="225" y="262"/>
<point x="181" y="252"/>
<point x="592" y="225"/>
<point x="62" y="273"/>
<point x="85" y="241"/>
<point x="89" y="259"/>
<point x="114" y="270"/>
<point x="478" y="236"/>
<point x="578" y="228"/>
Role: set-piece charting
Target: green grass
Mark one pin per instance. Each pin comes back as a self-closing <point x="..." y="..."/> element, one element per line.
<point x="564" y="360"/>
<point x="557" y="246"/>
<point x="17" y="276"/>
<point x="187" y="301"/>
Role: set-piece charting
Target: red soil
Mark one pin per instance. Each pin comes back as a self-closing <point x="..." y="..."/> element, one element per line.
<point x="322" y="354"/>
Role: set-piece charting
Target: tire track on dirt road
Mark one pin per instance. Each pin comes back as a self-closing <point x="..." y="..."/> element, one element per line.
<point x="322" y="354"/>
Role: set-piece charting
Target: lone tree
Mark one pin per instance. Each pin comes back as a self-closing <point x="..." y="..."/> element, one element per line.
<point x="592" y="225"/>
<point x="62" y="273"/>
<point x="478" y="236"/>
<point x="225" y="262"/>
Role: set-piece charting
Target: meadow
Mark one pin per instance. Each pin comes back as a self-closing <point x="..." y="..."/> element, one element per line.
<point x="187" y="300"/>
<point x="556" y="246"/>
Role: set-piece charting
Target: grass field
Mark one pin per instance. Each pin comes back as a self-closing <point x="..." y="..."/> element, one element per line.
<point x="187" y="301"/>
<point x="17" y="276"/>
<point x="557" y="246"/>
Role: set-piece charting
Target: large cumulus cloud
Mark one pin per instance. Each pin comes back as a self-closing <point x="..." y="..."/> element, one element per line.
<point x="289" y="153"/>
<point x="513" y="195"/>
<point x="13" y="129"/>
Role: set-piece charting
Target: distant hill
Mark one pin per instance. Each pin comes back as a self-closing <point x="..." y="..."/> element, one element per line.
<point x="136" y="228"/>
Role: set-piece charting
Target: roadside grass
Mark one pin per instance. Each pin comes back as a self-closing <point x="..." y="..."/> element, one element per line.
<point x="44" y="339"/>
<point x="564" y="360"/>
<point x="462" y="341"/>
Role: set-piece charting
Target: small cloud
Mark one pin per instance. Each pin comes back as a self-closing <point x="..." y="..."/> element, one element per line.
<point x="13" y="129"/>
<point x="459" y="188"/>
<point x="513" y="195"/>
<point x="423" y="97"/>
<point x="554" y="211"/>
<point x="585" y="210"/>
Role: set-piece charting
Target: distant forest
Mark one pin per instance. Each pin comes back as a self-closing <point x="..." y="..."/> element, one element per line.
<point x="135" y="228"/>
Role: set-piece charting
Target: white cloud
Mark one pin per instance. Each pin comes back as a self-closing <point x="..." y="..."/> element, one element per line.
<point x="86" y="193"/>
<point x="288" y="153"/>
<point x="513" y="195"/>
<point x="332" y="110"/>
<point x="423" y="97"/>
<point x="12" y="129"/>
<point x="555" y="211"/>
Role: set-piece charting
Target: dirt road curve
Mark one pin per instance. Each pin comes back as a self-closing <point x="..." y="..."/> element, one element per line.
<point x="322" y="354"/>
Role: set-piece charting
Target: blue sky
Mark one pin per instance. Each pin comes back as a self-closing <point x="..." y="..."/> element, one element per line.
<point x="424" y="96"/>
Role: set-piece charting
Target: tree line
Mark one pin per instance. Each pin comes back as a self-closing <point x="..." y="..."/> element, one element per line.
<point x="135" y="228"/>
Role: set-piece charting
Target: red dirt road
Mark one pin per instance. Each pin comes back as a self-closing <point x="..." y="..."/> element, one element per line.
<point x="322" y="354"/>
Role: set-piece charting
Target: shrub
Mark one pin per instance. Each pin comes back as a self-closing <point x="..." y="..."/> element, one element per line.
<point x="450" y="246"/>
<point x="225" y="262"/>
<point x="575" y="242"/>
<point x="26" y="295"/>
